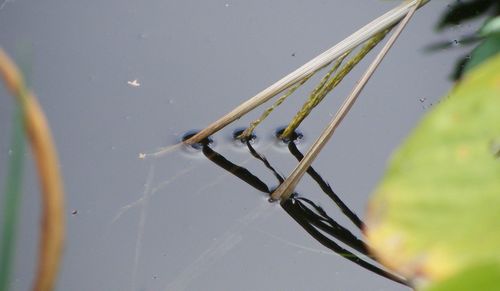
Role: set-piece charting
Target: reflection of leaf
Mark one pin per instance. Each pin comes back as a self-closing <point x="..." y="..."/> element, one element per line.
<point x="483" y="277"/>
<point x="461" y="11"/>
<point x="437" y="209"/>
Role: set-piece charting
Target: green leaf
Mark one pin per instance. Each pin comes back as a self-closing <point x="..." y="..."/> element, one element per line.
<point x="491" y="27"/>
<point x="487" y="49"/>
<point x="463" y="11"/>
<point x="437" y="210"/>
<point x="484" y="277"/>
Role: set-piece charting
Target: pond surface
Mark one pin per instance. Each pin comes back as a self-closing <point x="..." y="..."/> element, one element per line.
<point x="120" y="78"/>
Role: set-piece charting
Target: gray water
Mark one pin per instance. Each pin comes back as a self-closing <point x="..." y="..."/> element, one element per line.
<point x="179" y="222"/>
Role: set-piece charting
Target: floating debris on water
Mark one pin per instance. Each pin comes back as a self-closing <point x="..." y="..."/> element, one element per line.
<point x="134" y="83"/>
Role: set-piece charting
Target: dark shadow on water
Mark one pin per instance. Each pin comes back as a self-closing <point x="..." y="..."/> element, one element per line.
<point x="234" y="169"/>
<point x="312" y="218"/>
<point x="301" y="214"/>
<point x="292" y="147"/>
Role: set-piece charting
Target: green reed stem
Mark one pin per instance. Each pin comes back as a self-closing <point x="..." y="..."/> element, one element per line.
<point x="12" y="200"/>
<point x="248" y="131"/>
<point x="328" y="83"/>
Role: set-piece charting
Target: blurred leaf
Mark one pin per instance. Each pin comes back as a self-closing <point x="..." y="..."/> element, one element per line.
<point x="442" y="45"/>
<point x="491" y="27"/>
<point x="483" y="277"/>
<point x="464" y="10"/>
<point x="459" y="67"/>
<point x="12" y="200"/>
<point x="487" y="49"/>
<point x="437" y="209"/>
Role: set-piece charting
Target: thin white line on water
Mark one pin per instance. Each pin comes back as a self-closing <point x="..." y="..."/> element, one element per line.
<point x="142" y="222"/>
<point x="154" y="192"/>
<point x="292" y="244"/>
<point x="219" y="248"/>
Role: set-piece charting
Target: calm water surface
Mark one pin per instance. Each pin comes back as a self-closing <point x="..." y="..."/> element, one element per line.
<point x="117" y="78"/>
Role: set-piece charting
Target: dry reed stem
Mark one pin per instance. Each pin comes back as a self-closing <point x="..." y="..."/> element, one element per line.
<point x="287" y="187"/>
<point x="38" y="132"/>
<point x="381" y="23"/>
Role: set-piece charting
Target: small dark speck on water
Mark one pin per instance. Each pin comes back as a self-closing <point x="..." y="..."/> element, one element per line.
<point x="74" y="212"/>
<point x="293" y="54"/>
<point x="422" y="100"/>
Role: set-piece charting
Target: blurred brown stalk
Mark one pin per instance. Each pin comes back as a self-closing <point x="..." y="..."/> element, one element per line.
<point x="52" y="224"/>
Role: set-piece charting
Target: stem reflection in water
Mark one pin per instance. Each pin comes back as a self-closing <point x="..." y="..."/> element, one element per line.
<point x="305" y="212"/>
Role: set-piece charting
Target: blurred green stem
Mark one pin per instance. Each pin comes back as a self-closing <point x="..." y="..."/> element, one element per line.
<point x="12" y="199"/>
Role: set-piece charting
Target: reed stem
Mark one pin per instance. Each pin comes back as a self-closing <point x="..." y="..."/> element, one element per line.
<point x="287" y="187"/>
<point x="366" y="32"/>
